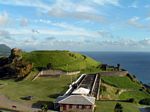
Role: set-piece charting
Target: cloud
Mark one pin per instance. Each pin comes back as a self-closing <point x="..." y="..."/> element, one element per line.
<point x="59" y="13"/>
<point x="90" y="45"/>
<point x="145" y="42"/>
<point x="67" y="9"/>
<point x="127" y="43"/>
<point x="50" y="38"/>
<point x="34" y="31"/>
<point x="105" y="34"/>
<point x="24" y="22"/>
<point x="4" y="18"/>
<point x="26" y="3"/>
<point x="105" y="2"/>
<point x="5" y="34"/>
<point x="134" y="4"/>
<point x="135" y="22"/>
<point x="139" y="23"/>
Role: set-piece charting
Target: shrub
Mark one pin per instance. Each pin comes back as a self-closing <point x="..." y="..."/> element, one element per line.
<point x="118" y="108"/>
<point x="131" y="100"/>
<point x="103" y="88"/>
<point x="145" y="101"/>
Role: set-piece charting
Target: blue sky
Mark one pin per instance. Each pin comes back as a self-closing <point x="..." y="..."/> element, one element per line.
<point x="77" y="25"/>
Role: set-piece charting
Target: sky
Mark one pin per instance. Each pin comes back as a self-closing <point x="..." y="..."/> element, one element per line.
<point x="76" y="25"/>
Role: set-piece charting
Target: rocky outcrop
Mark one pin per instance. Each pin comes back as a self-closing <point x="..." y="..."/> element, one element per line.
<point x="14" y="65"/>
<point x="16" y="54"/>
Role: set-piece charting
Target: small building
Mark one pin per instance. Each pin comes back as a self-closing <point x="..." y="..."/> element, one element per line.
<point x="77" y="103"/>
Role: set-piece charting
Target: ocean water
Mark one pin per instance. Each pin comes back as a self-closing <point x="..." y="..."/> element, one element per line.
<point x="137" y="63"/>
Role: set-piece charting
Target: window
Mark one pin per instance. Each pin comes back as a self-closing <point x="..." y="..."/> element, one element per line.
<point x="88" y="106"/>
<point x="64" y="107"/>
<point x="83" y="106"/>
<point x="70" y="106"/>
<point x="80" y="106"/>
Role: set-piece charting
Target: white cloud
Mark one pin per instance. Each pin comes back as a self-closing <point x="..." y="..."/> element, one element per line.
<point x="5" y="34"/>
<point x="118" y="45"/>
<point x="4" y="18"/>
<point x="105" y="2"/>
<point x="145" y="42"/>
<point x="59" y="13"/>
<point x="27" y="3"/>
<point x="24" y="22"/>
<point x="67" y="9"/>
<point x="134" y="4"/>
<point x="135" y="22"/>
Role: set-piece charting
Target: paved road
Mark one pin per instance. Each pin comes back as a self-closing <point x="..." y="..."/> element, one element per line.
<point x="10" y="104"/>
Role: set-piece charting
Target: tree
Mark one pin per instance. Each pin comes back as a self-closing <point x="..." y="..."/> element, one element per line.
<point x="145" y="101"/>
<point x="49" y="66"/>
<point x="118" y="108"/>
<point x="44" y="108"/>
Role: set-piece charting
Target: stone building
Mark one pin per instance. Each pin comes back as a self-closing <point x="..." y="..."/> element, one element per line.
<point x="77" y="103"/>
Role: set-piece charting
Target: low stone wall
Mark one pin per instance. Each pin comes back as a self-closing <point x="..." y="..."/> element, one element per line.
<point x="114" y="73"/>
<point x="73" y="73"/>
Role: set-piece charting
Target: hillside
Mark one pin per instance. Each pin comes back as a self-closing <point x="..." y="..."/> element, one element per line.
<point x="112" y="87"/>
<point x="122" y="88"/>
<point x="4" y="50"/>
<point x="63" y="60"/>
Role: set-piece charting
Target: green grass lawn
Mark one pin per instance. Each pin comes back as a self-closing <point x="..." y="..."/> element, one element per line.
<point x="43" y="89"/>
<point x="64" y="60"/>
<point x="121" y="82"/>
<point x="138" y="95"/>
<point x="108" y="106"/>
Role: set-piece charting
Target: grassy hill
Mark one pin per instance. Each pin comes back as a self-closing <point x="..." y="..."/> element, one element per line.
<point x="122" y="88"/>
<point x="112" y="88"/>
<point x="63" y="60"/>
<point x="4" y="50"/>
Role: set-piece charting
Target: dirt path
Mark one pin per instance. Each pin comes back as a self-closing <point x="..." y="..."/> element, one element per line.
<point x="13" y="105"/>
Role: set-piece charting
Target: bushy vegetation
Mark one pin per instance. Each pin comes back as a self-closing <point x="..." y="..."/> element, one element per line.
<point x="145" y="101"/>
<point x="118" y="108"/>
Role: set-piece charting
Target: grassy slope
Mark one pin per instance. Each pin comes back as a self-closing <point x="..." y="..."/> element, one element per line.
<point x="63" y="60"/>
<point x="43" y="89"/>
<point x="121" y="82"/>
<point x="108" y="106"/>
<point x="125" y="83"/>
<point x="47" y="89"/>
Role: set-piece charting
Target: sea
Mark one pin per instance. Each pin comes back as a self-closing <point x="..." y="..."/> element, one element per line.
<point x="137" y="63"/>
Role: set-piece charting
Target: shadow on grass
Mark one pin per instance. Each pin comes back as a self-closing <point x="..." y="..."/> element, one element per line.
<point x="54" y="95"/>
<point x="7" y="110"/>
<point x="39" y="104"/>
